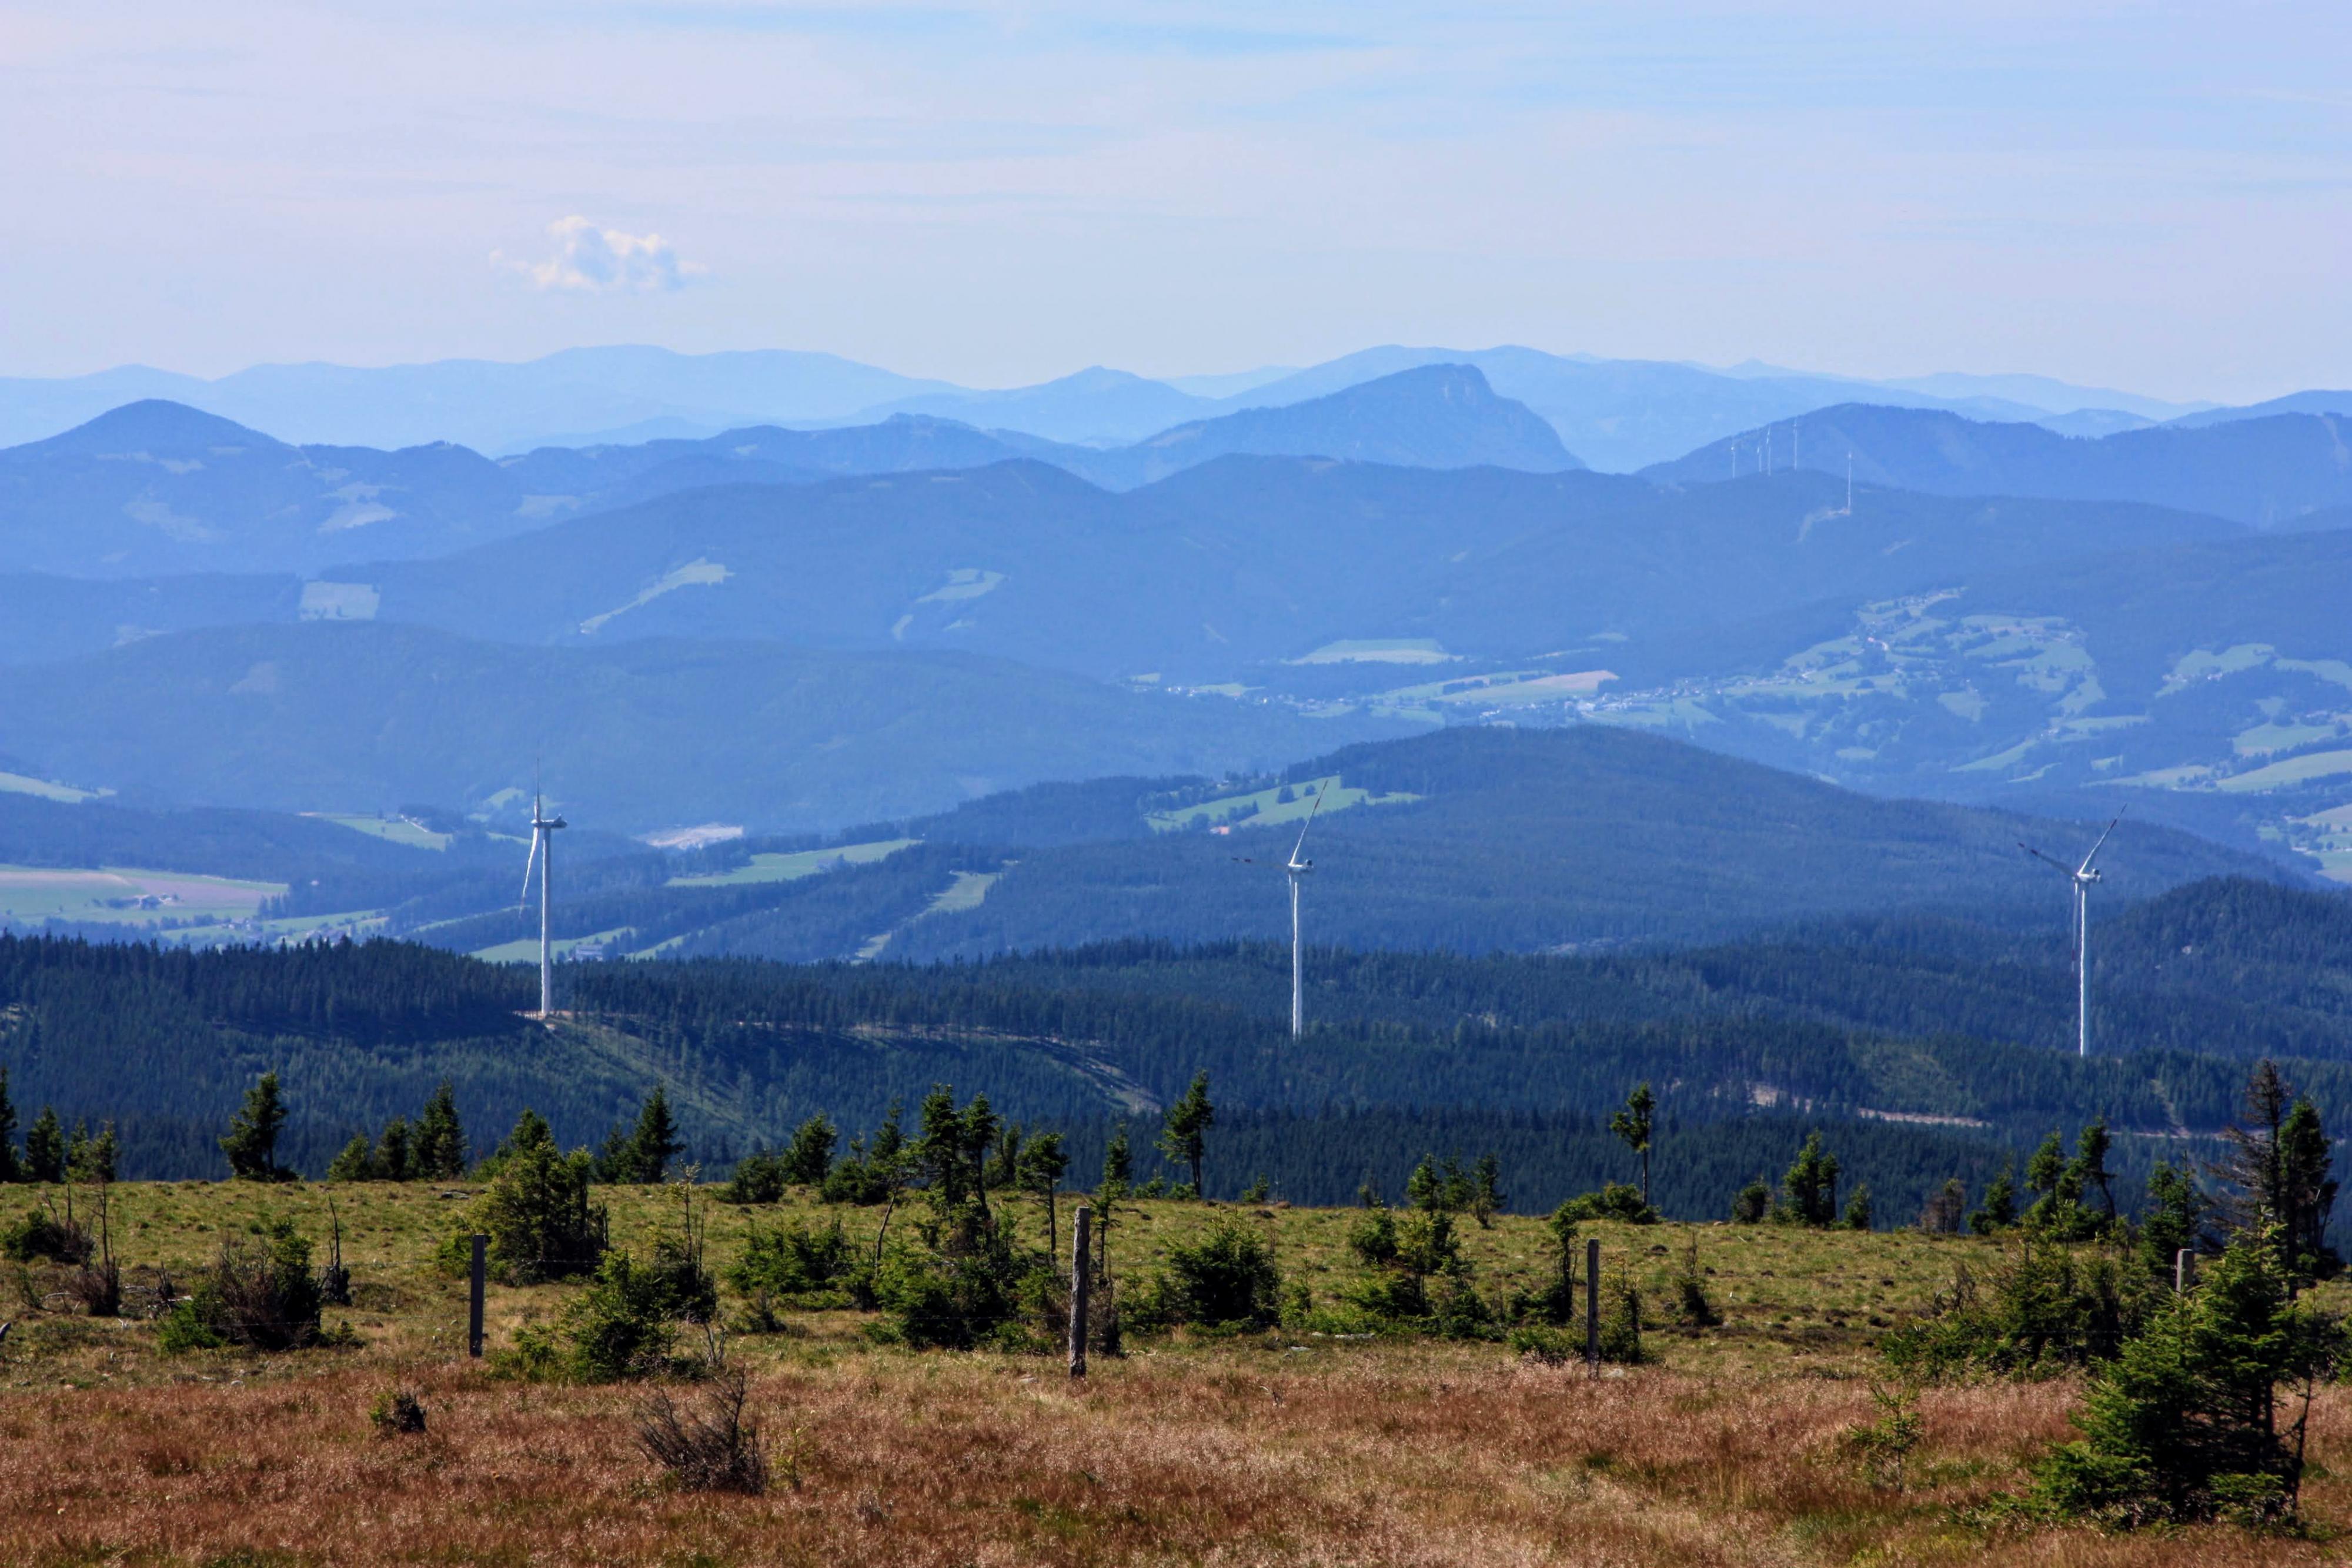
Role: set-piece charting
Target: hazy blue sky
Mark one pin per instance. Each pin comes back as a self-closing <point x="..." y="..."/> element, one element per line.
<point x="2145" y="196"/>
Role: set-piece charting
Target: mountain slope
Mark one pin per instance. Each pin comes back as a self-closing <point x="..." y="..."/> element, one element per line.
<point x="1217" y="573"/>
<point x="1531" y="840"/>
<point x="156" y="487"/>
<point x="2263" y="472"/>
<point x="1434" y="416"/>
<point x="634" y="737"/>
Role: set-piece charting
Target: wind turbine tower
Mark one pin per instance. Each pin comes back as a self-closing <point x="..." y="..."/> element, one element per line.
<point x="2081" y="877"/>
<point x="1295" y="868"/>
<point x="543" y="856"/>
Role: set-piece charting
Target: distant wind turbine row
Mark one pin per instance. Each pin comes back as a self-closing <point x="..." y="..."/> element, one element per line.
<point x="1295" y="869"/>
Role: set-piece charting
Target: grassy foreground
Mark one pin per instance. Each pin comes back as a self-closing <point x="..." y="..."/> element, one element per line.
<point x="1276" y="1448"/>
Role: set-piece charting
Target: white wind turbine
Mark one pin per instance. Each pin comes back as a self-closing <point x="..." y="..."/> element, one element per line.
<point x="2081" y="877"/>
<point x="543" y="856"/>
<point x="1295" y="867"/>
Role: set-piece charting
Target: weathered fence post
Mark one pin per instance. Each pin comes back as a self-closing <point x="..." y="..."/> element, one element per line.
<point x="1081" y="1282"/>
<point x="478" y="1275"/>
<point x="1592" y="1306"/>
<point x="2184" y="1269"/>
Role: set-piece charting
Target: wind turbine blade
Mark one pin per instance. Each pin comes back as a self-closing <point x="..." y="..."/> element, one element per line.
<point x="523" y="897"/>
<point x="1320" y="792"/>
<point x="2045" y="860"/>
<point x="2100" y="845"/>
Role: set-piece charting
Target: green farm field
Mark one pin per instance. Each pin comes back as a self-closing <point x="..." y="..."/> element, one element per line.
<point x="127" y="895"/>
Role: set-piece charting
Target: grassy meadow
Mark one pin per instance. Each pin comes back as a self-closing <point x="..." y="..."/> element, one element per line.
<point x="1730" y="1445"/>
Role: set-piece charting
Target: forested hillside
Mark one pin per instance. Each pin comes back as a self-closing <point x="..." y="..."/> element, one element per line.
<point x="1407" y="1053"/>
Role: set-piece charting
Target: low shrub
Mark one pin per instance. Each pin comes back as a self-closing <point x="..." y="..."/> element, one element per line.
<point x="1227" y="1278"/>
<point x="259" y="1293"/>
<point x="623" y="1326"/>
<point x="2044" y="1312"/>
<point x="1616" y="1201"/>
<point x="758" y="1178"/>
<point x="713" y="1449"/>
<point x="398" y="1411"/>
<point x="797" y="1267"/>
<point x="39" y="1234"/>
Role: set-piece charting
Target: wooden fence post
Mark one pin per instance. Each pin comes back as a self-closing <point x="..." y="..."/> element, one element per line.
<point x="479" y="1274"/>
<point x="1081" y="1282"/>
<point x="1592" y="1306"/>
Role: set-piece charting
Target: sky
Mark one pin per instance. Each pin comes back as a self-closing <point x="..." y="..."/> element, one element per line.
<point x="2145" y="196"/>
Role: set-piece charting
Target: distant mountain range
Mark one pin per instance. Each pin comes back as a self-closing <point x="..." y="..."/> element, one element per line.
<point x="1617" y="414"/>
<point x="2282" y="469"/>
<point x="156" y="487"/>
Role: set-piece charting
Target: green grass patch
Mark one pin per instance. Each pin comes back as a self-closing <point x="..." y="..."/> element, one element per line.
<point x="793" y="867"/>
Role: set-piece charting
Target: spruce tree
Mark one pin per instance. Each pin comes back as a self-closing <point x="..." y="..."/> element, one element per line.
<point x="1809" y="1192"/>
<point x="437" y="1149"/>
<point x="251" y="1141"/>
<point x="1040" y="1170"/>
<point x="2174" y="1220"/>
<point x="11" y="1168"/>
<point x="2279" y="1162"/>
<point x="1633" y="1125"/>
<point x="392" y="1161"/>
<point x="2183" y="1423"/>
<point x="1999" y="1211"/>
<point x="1486" y="1196"/>
<point x="355" y="1163"/>
<point x="655" y="1143"/>
<point x="809" y="1157"/>
<point x="1183" y="1133"/>
<point x="92" y="1160"/>
<point x="2306" y="1193"/>
<point x="45" y="1148"/>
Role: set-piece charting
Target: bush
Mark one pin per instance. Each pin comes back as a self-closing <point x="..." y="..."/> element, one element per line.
<point x="712" y="1449"/>
<point x="622" y="1326"/>
<point x="2043" y="1314"/>
<point x="1227" y="1278"/>
<point x="1621" y="1322"/>
<point x="2182" y="1423"/>
<point x="962" y="1300"/>
<point x="1751" y="1204"/>
<point x="1544" y="1342"/>
<point x="1614" y="1201"/>
<point x="398" y="1411"/>
<point x="536" y="1213"/>
<point x="184" y="1328"/>
<point x="758" y="1178"/>
<point x="259" y="1293"/>
<point x="795" y="1266"/>
<point x="40" y="1234"/>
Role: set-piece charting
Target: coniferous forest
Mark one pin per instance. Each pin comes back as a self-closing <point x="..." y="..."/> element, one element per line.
<point x="1921" y="1048"/>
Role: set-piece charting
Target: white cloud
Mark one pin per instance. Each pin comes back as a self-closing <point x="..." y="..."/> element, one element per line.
<point x="591" y="260"/>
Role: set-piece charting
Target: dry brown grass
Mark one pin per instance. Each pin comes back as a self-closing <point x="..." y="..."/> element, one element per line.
<point x="1261" y="1450"/>
<point x="1231" y="1454"/>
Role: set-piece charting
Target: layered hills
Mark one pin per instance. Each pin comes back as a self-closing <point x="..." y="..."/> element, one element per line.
<point x="642" y="735"/>
<point x="155" y="487"/>
<point x="2270" y="472"/>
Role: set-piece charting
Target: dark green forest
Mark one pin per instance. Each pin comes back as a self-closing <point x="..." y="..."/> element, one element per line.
<point x="1408" y="1054"/>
